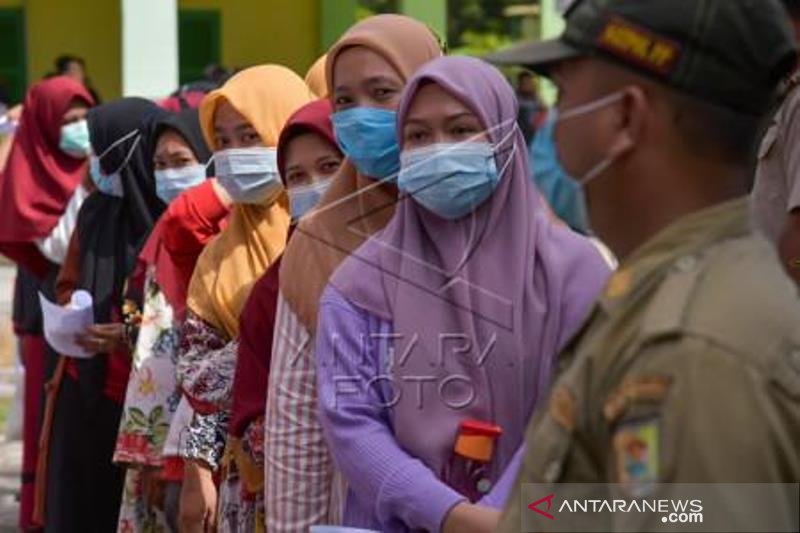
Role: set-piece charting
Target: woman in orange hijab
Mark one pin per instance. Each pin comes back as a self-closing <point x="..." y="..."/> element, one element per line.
<point x="241" y="121"/>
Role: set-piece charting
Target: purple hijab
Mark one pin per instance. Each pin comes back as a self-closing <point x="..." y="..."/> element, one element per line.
<point x="481" y="305"/>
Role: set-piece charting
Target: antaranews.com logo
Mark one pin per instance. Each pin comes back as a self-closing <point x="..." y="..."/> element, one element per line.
<point x="660" y="508"/>
<point x="671" y="511"/>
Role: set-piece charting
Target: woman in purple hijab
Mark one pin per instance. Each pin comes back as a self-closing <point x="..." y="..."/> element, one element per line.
<point x="438" y="335"/>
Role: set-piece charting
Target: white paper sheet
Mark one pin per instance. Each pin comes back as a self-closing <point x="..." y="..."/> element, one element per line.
<point x="63" y="324"/>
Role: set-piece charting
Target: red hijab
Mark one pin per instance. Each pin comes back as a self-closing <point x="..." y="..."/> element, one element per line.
<point x="39" y="178"/>
<point x="258" y="318"/>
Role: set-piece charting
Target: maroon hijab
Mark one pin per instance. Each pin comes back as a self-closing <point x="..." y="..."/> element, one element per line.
<point x="39" y="178"/>
<point x="258" y="318"/>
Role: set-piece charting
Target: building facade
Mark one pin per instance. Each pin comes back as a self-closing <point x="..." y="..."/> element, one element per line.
<point x="148" y="47"/>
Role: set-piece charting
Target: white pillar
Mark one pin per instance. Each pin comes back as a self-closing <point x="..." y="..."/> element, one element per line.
<point x="149" y="47"/>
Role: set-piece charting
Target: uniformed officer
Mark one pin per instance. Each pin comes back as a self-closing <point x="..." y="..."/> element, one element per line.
<point x="688" y="369"/>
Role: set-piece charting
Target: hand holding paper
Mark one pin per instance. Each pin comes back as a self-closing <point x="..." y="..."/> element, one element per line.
<point x="63" y="324"/>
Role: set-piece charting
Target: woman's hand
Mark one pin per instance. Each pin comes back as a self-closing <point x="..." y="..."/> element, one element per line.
<point x="102" y="338"/>
<point x="468" y="518"/>
<point x="198" y="511"/>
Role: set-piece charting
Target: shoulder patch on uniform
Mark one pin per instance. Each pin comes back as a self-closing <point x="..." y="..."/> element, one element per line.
<point x="620" y="284"/>
<point x="637" y="453"/>
<point x="635" y="43"/>
<point x="641" y="389"/>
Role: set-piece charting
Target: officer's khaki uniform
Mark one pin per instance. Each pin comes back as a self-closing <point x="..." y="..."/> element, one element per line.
<point x="687" y="371"/>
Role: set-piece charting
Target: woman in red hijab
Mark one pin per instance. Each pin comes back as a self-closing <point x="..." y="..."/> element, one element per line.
<point x="40" y="194"/>
<point x="46" y="165"/>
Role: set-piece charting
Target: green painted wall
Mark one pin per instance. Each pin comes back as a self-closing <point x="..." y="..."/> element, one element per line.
<point x="258" y="31"/>
<point x="87" y="28"/>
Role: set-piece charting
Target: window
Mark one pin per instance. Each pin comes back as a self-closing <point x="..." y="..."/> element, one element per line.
<point x="13" y="77"/>
<point x="198" y="42"/>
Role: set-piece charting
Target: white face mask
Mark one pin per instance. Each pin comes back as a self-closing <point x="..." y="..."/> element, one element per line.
<point x="171" y="182"/>
<point x="583" y="110"/>
<point x="249" y="175"/>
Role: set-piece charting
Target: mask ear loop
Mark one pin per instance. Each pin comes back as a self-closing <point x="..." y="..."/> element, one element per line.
<point x="591" y="107"/>
<point x="130" y="151"/>
<point x="475" y="235"/>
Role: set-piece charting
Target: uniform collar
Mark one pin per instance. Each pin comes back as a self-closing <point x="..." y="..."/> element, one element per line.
<point x="679" y="245"/>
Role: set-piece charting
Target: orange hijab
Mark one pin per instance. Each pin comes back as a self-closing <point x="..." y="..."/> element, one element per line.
<point x="266" y="96"/>
<point x="315" y="77"/>
<point x="354" y="207"/>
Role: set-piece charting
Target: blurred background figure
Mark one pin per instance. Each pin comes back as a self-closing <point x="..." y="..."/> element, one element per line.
<point x="74" y="67"/>
<point x="532" y="111"/>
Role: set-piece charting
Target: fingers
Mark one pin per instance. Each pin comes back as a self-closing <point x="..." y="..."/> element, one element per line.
<point x="93" y="344"/>
<point x="111" y="332"/>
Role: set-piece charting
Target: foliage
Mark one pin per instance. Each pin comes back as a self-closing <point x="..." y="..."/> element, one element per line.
<point x="474" y="27"/>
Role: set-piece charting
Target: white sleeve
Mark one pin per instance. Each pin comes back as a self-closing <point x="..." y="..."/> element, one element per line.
<point x="54" y="246"/>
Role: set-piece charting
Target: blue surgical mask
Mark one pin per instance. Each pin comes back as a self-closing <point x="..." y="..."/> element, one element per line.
<point x="450" y="180"/>
<point x="563" y="193"/>
<point x="303" y="199"/>
<point x="249" y="175"/>
<point x="111" y="184"/>
<point x="75" y="139"/>
<point x="368" y="136"/>
<point x="171" y="182"/>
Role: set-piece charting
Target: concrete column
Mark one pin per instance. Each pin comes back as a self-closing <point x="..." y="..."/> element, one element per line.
<point x="149" y="47"/>
<point x="431" y="12"/>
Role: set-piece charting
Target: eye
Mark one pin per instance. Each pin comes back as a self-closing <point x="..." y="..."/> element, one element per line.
<point x="343" y="101"/>
<point x="416" y="135"/>
<point x="251" y="137"/>
<point x="383" y="93"/>
<point x="296" y="177"/>
<point x="329" y="167"/>
<point x="222" y="142"/>
<point x="160" y="165"/>
<point x="463" y="130"/>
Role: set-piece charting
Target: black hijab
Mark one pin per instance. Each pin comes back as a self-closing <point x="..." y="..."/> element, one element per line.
<point x="112" y="230"/>
<point x="187" y="124"/>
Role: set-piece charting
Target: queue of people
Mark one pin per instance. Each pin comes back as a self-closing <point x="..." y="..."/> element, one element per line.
<point x="346" y="298"/>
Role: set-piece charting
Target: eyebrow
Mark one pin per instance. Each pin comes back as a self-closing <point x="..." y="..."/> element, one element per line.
<point x="239" y="127"/>
<point x="379" y="79"/>
<point x="448" y="118"/>
<point x="323" y="158"/>
<point x="374" y="80"/>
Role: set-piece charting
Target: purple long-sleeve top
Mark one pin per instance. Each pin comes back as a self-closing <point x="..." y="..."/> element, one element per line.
<point x="388" y="489"/>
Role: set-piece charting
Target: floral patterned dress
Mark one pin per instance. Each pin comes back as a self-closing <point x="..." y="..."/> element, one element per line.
<point x="206" y="369"/>
<point x="151" y="400"/>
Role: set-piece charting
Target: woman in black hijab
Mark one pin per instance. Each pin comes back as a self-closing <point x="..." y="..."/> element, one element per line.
<point x="83" y="486"/>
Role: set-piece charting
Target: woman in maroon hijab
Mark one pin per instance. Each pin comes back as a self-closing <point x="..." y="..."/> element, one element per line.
<point x="40" y="194"/>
